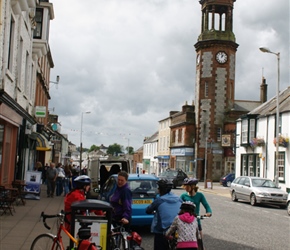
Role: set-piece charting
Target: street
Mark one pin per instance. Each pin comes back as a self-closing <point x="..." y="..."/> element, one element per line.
<point x="238" y="225"/>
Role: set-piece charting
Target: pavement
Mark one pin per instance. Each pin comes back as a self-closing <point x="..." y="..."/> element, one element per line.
<point x="18" y="231"/>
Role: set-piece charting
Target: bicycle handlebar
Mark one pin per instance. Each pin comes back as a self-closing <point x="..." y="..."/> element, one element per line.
<point x="45" y="216"/>
<point x="201" y="217"/>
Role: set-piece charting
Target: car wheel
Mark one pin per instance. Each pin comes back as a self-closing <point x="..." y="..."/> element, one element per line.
<point x="253" y="200"/>
<point x="234" y="197"/>
<point x="229" y="183"/>
<point x="288" y="208"/>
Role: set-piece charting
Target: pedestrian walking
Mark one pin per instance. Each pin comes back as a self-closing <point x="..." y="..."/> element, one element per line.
<point x="59" y="179"/>
<point x="51" y="174"/>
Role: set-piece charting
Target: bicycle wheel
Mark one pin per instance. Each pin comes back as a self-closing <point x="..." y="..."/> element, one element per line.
<point x="45" y="242"/>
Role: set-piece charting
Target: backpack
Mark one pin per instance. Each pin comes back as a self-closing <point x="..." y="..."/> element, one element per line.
<point x="86" y="245"/>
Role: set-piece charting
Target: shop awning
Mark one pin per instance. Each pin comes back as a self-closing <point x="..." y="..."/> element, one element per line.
<point x="41" y="143"/>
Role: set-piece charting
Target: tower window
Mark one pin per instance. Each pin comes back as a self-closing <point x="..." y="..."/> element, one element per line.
<point x="219" y="134"/>
<point x="206" y="89"/>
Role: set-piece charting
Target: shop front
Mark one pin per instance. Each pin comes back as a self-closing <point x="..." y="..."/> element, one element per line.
<point x="182" y="158"/>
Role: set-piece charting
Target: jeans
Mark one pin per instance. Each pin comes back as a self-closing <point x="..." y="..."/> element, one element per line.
<point x="59" y="187"/>
<point x="65" y="183"/>
<point x="50" y="187"/>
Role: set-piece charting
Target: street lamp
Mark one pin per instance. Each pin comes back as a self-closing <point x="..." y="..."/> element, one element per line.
<point x="81" y="142"/>
<point x="266" y="50"/>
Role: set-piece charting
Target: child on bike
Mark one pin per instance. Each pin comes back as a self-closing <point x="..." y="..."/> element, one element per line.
<point x="185" y="224"/>
<point x="82" y="187"/>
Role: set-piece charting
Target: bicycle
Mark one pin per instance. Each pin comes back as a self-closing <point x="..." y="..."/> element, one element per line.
<point x="122" y="240"/>
<point x="172" y="240"/>
<point x="54" y="242"/>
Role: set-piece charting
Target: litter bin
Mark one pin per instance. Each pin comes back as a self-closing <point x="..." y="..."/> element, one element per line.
<point x="100" y="225"/>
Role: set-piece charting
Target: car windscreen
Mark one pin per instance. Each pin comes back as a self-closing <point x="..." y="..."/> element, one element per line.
<point x="168" y="174"/>
<point x="263" y="183"/>
<point x="147" y="188"/>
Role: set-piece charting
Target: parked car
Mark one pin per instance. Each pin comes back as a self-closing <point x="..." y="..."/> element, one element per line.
<point x="144" y="190"/>
<point x="258" y="190"/>
<point x="227" y="179"/>
<point x="176" y="176"/>
<point x="288" y="205"/>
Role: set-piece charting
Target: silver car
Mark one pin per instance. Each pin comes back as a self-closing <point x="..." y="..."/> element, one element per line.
<point x="258" y="190"/>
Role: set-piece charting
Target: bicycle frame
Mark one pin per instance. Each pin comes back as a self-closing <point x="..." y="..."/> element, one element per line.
<point x="58" y="236"/>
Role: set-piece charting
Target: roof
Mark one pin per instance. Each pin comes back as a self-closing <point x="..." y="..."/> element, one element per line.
<point x="152" y="138"/>
<point x="140" y="177"/>
<point x="269" y="108"/>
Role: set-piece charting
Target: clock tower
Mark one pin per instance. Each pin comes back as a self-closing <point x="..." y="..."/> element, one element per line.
<point x="215" y="84"/>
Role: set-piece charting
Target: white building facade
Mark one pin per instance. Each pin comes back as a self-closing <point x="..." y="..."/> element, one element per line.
<point x="255" y="141"/>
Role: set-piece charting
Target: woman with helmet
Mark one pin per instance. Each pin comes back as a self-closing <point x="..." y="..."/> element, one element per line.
<point x="166" y="207"/>
<point x="82" y="187"/>
<point x="185" y="224"/>
<point x="190" y="186"/>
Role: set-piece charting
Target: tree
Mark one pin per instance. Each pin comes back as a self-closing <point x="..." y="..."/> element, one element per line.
<point x="94" y="148"/>
<point x="114" y="149"/>
<point x="131" y="150"/>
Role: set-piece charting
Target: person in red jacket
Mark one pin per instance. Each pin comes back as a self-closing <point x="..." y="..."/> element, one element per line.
<point x="82" y="187"/>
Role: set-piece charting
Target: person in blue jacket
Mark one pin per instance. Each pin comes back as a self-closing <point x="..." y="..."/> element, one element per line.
<point x="166" y="207"/>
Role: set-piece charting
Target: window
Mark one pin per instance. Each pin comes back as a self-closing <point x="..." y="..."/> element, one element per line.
<point x="252" y="129"/>
<point x="173" y="136"/>
<point x="250" y="165"/>
<point x="248" y="130"/>
<point x="219" y="134"/>
<point x="244" y="131"/>
<point x="38" y="19"/>
<point x="206" y="89"/>
<point x="281" y="166"/>
<point x="11" y="43"/>
<point x="179" y="135"/>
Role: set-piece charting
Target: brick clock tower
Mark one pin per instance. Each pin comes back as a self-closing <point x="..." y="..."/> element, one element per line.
<point x="215" y="85"/>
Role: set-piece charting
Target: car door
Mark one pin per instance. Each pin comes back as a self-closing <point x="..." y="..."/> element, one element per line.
<point x="238" y="187"/>
<point x="245" y="189"/>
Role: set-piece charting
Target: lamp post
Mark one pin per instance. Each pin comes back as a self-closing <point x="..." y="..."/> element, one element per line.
<point x="81" y="134"/>
<point x="266" y="50"/>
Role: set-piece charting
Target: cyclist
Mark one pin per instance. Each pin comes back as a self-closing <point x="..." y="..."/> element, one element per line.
<point x="185" y="224"/>
<point x="190" y="186"/>
<point x="82" y="187"/>
<point x="166" y="207"/>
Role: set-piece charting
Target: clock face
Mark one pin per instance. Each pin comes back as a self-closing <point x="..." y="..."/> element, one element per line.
<point x="221" y="57"/>
<point x="197" y="59"/>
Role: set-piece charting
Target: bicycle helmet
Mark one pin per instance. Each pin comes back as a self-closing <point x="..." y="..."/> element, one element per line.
<point x="83" y="180"/>
<point x="188" y="205"/>
<point x="190" y="181"/>
<point x="165" y="185"/>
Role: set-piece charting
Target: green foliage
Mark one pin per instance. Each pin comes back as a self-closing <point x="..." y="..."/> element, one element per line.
<point x="94" y="147"/>
<point x="114" y="149"/>
<point x="131" y="150"/>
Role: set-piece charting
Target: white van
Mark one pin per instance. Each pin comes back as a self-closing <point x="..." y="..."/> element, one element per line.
<point x="100" y="169"/>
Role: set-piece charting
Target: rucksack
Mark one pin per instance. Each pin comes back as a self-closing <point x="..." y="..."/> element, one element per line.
<point x="86" y="245"/>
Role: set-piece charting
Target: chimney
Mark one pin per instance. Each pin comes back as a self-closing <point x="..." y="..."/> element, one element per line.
<point x="263" y="91"/>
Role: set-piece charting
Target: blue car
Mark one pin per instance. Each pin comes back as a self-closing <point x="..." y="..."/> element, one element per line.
<point x="144" y="190"/>
<point x="227" y="179"/>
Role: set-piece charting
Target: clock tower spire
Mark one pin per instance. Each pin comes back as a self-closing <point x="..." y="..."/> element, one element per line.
<point x="215" y="84"/>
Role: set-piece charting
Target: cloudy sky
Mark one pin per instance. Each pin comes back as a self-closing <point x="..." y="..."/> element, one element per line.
<point x="131" y="62"/>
